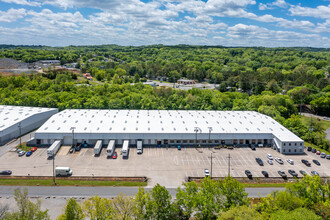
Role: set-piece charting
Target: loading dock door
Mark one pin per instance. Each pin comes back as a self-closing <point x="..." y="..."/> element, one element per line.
<point x="67" y="140"/>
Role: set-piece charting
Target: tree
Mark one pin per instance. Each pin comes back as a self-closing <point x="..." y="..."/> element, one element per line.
<point x="300" y="213"/>
<point x="123" y="207"/>
<point x="158" y="205"/>
<point x="97" y="208"/>
<point x="27" y="210"/>
<point x="240" y="213"/>
<point x="140" y="204"/>
<point x="72" y="211"/>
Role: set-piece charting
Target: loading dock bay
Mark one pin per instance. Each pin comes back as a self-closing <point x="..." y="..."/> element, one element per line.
<point x="169" y="167"/>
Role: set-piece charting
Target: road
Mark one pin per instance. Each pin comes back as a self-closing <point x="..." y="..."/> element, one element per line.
<point x="45" y="191"/>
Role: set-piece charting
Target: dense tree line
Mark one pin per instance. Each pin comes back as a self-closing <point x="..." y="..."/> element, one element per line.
<point x="59" y="90"/>
<point x="308" y="198"/>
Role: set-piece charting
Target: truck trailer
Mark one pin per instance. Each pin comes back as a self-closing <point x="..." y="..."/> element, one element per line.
<point x="111" y="148"/>
<point x="139" y="147"/>
<point x="125" y="148"/>
<point x="98" y="147"/>
<point x="53" y="149"/>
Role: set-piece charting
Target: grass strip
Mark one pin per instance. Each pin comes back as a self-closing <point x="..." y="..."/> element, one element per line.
<point x="61" y="182"/>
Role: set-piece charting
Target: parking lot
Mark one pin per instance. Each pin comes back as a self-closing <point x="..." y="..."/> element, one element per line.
<point x="169" y="167"/>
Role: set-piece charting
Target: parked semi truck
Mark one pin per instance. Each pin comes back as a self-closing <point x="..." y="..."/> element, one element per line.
<point x="111" y="148"/>
<point x="63" y="171"/>
<point x="53" y="149"/>
<point x="98" y="147"/>
<point x="139" y="147"/>
<point x="125" y="148"/>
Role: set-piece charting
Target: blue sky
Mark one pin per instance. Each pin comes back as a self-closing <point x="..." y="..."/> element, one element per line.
<point x="143" y="22"/>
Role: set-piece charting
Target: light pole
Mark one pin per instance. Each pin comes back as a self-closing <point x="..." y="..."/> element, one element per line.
<point x="196" y="130"/>
<point x="210" y="129"/>
<point x="20" y="134"/>
<point x="211" y="164"/>
<point x="54" y="182"/>
<point x="72" y="128"/>
<point x="229" y="164"/>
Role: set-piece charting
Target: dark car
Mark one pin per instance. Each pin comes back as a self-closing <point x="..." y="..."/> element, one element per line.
<point x="315" y="173"/>
<point x="259" y="161"/>
<point x="248" y="173"/>
<point x="252" y="147"/>
<point x="6" y="172"/>
<point x="328" y="156"/>
<point x="28" y="153"/>
<point x="281" y="173"/>
<point x="306" y="162"/>
<point x="316" y="162"/>
<point x="309" y="148"/>
<point x="313" y="150"/>
<point x="71" y="150"/>
<point x="265" y="173"/>
<point x="302" y="172"/>
<point x="293" y="173"/>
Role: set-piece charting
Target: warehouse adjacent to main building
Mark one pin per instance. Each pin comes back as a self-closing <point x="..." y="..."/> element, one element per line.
<point x="166" y="128"/>
<point x="18" y="120"/>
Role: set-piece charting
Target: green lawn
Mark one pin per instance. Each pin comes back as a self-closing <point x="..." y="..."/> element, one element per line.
<point x="324" y="123"/>
<point x="61" y="182"/>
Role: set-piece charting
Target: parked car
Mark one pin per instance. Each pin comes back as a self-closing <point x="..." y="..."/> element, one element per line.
<point x="206" y="172"/>
<point x="281" y="173"/>
<point x="306" y="162"/>
<point x="290" y="161"/>
<point x="71" y="150"/>
<point x="18" y="151"/>
<point x="328" y="157"/>
<point x="313" y="150"/>
<point x="6" y="172"/>
<point x="28" y="153"/>
<point x="270" y="162"/>
<point x="293" y="173"/>
<point x="265" y="173"/>
<point x="114" y="156"/>
<point x="179" y="147"/>
<point x="33" y="149"/>
<point x="252" y="147"/>
<point x="259" y="161"/>
<point x="269" y="156"/>
<point x="314" y="173"/>
<point x="317" y="162"/>
<point x="21" y="153"/>
<point x="309" y="148"/>
<point x="322" y="155"/>
<point x="302" y="172"/>
<point x="248" y="173"/>
<point x="318" y="152"/>
<point x="279" y="160"/>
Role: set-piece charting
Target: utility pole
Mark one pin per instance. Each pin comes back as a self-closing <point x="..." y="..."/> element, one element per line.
<point x="20" y="134"/>
<point x="196" y="130"/>
<point x="54" y="182"/>
<point x="210" y="129"/>
<point x="72" y="128"/>
<point x="229" y="164"/>
<point x="211" y="164"/>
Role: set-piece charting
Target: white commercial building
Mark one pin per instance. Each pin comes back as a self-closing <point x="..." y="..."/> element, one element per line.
<point x="168" y="128"/>
<point x="18" y="120"/>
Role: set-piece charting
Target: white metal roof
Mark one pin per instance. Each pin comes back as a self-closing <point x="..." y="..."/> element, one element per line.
<point x="165" y="121"/>
<point x="10" y="115"/>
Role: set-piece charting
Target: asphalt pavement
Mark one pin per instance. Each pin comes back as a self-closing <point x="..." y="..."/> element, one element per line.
<point x="69" y="191"/>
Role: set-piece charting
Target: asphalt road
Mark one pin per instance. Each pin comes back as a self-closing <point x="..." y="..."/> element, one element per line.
<point x="45" y="191"/>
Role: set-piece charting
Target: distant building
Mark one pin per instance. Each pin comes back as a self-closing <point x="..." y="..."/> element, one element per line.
<point x="87" y="76"/>
<point x="50" y="62"/>
<point x="186" y="81"/>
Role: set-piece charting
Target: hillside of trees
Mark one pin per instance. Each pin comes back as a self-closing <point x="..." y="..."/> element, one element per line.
<point x="308" y="198"/>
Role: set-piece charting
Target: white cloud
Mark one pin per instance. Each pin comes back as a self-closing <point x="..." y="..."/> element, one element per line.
<point x="12" y="15"/>
<point x="273" y="5"/>
<point x="22" y="2"/>
<point x="321" y="11"/>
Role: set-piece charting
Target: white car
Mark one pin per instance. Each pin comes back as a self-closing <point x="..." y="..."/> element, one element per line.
<point x="21" y="153"/>
<point x="270" y="162"/>
<point x="207" y="172"/>
<point x="269" y="156"/>
<point x="279" y="160"/>
<point x="290" y="161"/>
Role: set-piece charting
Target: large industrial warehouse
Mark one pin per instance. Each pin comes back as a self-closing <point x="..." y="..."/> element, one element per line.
<point x="165" y="128"/>
<point x="18" y="120"/>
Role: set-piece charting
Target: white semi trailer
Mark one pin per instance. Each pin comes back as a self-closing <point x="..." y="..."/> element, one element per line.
<point x="53" y="149"/>
<point x="139" y="147"/>
<point x="98" y="147"/>
<point x="111" y="148"/>
<point x="125" y="148"/>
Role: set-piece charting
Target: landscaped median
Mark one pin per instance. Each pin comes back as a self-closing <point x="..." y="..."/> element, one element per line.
<point x="72" y="181"/>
